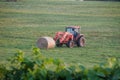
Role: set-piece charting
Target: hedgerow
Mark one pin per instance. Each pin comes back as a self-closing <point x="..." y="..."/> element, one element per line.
<point x="38" y="67"/>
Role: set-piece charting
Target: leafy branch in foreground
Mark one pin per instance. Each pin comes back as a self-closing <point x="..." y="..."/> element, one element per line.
<point x="38" y="67"/>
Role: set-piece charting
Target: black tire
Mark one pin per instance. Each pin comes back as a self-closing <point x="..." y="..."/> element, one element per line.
<point x="58" y="44"/>
<point x="81" y="42"/>
<point x="67" y="45"/>
<point x="70" y="44"/>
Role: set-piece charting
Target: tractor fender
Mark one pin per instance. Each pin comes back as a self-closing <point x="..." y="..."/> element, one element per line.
<point x="79" y="36"/>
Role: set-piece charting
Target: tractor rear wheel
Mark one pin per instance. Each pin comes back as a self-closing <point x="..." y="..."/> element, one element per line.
<point x="81" y="42"/>
<point x="70" y="44"/>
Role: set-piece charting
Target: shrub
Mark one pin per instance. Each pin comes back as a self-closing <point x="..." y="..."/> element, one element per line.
<point x="38" y="67"/>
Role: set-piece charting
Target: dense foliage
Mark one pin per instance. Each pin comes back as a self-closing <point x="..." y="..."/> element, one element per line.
<point x="38" y="67"/>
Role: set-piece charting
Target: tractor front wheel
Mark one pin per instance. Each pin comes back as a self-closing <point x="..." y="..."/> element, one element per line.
<point x="81" y="42"/>
<point x="58" y="44"/>
<point x="70" y="44"/>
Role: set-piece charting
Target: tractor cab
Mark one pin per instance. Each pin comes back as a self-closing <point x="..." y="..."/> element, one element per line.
<point x="73" y="30"/>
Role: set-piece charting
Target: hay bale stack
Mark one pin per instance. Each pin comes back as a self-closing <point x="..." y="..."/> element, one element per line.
<point x="46" y="42"/>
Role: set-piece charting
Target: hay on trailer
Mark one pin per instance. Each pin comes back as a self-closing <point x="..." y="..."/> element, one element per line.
<point x="46" y="42"/>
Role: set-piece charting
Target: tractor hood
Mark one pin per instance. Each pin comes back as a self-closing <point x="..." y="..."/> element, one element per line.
<point x="63" y="36"/>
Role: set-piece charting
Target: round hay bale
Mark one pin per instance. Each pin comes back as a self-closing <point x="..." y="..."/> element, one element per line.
<point x="46" y="42"/>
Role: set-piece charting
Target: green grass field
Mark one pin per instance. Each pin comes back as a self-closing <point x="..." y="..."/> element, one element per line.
<point x="22" y="23"/>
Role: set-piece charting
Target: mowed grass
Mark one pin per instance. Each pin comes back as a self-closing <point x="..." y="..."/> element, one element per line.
<point x="22" y="23"/>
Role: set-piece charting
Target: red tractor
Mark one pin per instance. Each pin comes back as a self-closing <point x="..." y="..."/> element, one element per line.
<point x="70" y="37"/>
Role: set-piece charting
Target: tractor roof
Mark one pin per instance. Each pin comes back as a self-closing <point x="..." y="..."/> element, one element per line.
<point x="76" y="27"/>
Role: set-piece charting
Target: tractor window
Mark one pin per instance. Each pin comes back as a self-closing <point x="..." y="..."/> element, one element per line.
<point x="70" y="30"/>
<point x="77" y="30"/>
